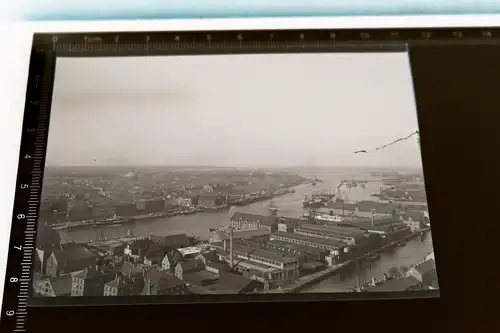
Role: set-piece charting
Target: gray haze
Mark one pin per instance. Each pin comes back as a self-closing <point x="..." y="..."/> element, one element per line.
<point x="244" y="110"/>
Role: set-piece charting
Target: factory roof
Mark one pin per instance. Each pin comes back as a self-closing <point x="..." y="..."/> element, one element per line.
<point x="263" y="219"/>
<point x="320" y="241"/>
<point x="333" y="230"/>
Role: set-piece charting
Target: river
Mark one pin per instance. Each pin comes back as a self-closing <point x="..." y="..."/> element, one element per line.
<point x="289" y="205"/>
<point x="199" y="224"/>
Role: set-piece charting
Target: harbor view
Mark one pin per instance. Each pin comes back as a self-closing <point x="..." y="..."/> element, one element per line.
<point x="196" y="195"/>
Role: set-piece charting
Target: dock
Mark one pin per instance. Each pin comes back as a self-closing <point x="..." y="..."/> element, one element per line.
<point x="316" y="277"/>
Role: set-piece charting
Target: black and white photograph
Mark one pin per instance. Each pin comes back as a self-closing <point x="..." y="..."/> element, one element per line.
<point x="234" y="175"/>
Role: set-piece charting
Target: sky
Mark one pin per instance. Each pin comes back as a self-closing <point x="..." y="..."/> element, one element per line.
<point x="233" y="110"/>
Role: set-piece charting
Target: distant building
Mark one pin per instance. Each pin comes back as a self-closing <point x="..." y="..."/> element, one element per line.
<point x="414" y="219"/>
<point x="252" y="221"/>
<point x="126" y="209"/>
<point x="70" y="260"/>
<point x="211" y="200"/>
<point x="366" y="209"/>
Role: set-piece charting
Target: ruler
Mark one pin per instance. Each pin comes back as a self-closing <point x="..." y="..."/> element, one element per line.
<point x="27" y="196"/>
<point x="252" y="41"/>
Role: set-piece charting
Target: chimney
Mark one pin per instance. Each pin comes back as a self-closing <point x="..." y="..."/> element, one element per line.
<point x="373" y="217"/>
<point x="225" y="245"/>
<point x="231" y="247"/>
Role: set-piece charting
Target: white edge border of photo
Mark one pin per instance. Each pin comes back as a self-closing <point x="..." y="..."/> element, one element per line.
<point x="17" y="37"/>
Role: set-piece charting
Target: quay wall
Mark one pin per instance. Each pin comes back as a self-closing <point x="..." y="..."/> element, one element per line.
<point x="321" y="275"/>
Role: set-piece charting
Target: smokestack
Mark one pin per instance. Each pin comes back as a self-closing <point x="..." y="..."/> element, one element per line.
<point x="373" y="217"/>
<point x="231" y="247"/>
<point x="225" y="244"/>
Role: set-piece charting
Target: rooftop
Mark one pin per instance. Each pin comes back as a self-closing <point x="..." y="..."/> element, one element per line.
<point x="333" y="230"/>
<point x="315" y="240"/>
<point x="251" y="251"/>
<point x="189" y="250"/>
<point x="395" y="285"/>
<point x="426" y="266"/>
<point x="62" y="285"/>
<point x="243" y="234"/>
<point x="266" y="220"/>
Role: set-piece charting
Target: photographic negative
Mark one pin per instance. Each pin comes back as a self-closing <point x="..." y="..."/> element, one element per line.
<point x="233" y="175"/>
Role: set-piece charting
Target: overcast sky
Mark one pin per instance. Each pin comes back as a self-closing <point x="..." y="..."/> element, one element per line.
<point x="233" y="110"/>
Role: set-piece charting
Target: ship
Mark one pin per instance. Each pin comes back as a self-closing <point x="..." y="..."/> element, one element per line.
<point x="328" y="218"/>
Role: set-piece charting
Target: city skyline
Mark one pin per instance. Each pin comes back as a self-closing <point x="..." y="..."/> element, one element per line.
<point x="227" y="111"/>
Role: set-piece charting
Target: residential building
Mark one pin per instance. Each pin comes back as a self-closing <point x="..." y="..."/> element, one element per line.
<point x="346" y="235"/>
<point x="53" y="287"/>
<point x="170" y="260"/>
<point x="186" y="267"/>
<point x="124" y="286"/>
<point x="161" y="283"/>
<point x="231" y="283"/>
<point x="425" y="272"/>
<point x="201" y="278"/>
<point x="394" y="285"/>
<point x="90" y="282"/>
<point x="251" y="221"/>
<point x="333" y="246"/>
<point x="206" y="256"/>
<point x="131" y="270"/>
<point x="71" y="260"/>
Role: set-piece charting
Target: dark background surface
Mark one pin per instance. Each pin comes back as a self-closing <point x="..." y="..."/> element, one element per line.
<point x="458" y="101"/>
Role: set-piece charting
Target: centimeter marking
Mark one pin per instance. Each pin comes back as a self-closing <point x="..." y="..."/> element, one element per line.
<point x="28" y="191"/>
<point x="145" y="42"/>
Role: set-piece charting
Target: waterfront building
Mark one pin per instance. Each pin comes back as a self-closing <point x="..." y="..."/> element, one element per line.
<point x="256" y="234"/>
<point x="367" y="209"/>
<point x="333" y="246"/>
<point x="252" y="221"/>
<point x="381" y="226"/>
<point x="53" y="287"/>
<point x="211" y="200"/>
<point x="347" y="235"/>
<point x="415" y="220"/>
<point x="70" y="260"/>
